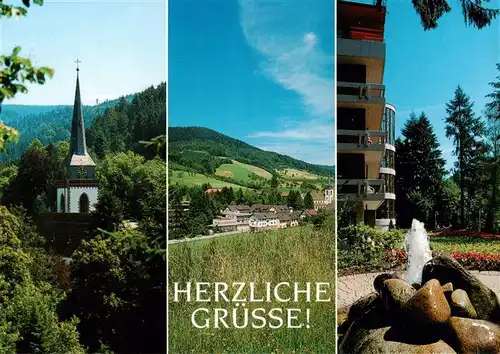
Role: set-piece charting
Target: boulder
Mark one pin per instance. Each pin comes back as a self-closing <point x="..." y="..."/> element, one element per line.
<point x="381" y="278"/>
<point x="388" y="340"/>
<point x="428" y="305"/>
<point x="475" y="336"/>
<point x="461" y="305"/>
<point x="448" y="287"/>
<point x="395" y="293"/>
<point x="446" y="270"/>
<point x="361" y="306"/>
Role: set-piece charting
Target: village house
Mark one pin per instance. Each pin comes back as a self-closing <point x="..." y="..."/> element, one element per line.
<point x="322" y="200"/>
<point x="308" y="213"/>
<point x="263" y="221"/>
<point x="255" y="218"/>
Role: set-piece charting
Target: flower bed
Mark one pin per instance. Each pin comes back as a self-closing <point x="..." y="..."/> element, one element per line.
<point x="470" y="260"/>
<point x="465" y="233"/>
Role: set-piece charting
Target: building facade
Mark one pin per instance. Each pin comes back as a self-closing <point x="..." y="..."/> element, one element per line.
<point x="365" y="122"/>
<point x="77" y="190"/>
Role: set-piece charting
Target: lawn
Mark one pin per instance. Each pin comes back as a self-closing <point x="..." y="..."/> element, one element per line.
<point x="465" y="244"/>
<point x="290" y="255"/>
<point x="197" y="179"/>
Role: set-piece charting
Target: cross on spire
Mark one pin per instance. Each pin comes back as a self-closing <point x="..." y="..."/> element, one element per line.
<point x="77" y="62"/>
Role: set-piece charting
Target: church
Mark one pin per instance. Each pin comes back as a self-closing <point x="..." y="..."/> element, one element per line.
<point x="77" y="191"/>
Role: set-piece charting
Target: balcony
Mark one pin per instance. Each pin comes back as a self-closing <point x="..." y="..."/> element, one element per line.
<point x="357" y="140"/>
<point x="355" y="92"/>
<point x="361" y="189"/>
<point x="371" y="192"/>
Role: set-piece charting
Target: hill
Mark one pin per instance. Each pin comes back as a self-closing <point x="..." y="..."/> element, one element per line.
<point x="201" y="149"/>
<point x="49" y="124"/>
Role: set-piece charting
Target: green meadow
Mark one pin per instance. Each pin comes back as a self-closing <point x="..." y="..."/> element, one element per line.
<point x="296" y="255"/>
<point x="197" y="179"/>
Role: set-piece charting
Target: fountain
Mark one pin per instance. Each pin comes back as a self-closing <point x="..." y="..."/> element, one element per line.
<point x="437" y="307"/>
<point x="418" y="251"/>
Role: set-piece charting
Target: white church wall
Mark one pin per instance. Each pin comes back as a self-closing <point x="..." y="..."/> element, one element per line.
<point x="76" y="192"/>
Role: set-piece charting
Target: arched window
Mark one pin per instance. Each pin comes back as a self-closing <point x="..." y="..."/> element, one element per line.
<point x="84" y="203"/>
<point x="63" y="204"/>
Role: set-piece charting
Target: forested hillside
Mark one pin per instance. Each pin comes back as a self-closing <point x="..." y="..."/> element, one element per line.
<point x="199" y="147"/>
<point x="48" y="124"/>
<point x="124" y="125"/>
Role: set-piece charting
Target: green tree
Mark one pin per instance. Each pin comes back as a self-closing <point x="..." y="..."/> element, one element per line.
<point x="34" y="170"/>
<point x="475" y="14"/>
<point x="308" y="201"/>
<point x="274" y="181"/>
<point x="493" y="135"/>
<point x="119" y="293"/>
<point x="16" y="71"/>
<point x="108" y="213"/>
<point x="465" y="128"/>
<point x="420" y="170"/>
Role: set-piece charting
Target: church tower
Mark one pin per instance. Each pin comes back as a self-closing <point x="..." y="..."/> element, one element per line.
<point x="78" y="191"/>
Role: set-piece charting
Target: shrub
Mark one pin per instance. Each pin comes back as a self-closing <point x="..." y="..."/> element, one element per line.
<point x="365" y="246"/>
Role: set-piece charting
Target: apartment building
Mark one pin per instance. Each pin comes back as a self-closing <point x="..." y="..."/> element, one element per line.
<point x="365" y="122"/>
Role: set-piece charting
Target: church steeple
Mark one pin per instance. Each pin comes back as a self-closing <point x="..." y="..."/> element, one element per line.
<point x="78" y="145"/>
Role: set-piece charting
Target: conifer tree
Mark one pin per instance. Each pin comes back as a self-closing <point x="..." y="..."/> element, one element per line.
<point x="475" y="14"/>
<point x="464" y="128"/>
<point x="308" y="201"/>
<point x="493" y="115"/>
<point x="420" y="169"/>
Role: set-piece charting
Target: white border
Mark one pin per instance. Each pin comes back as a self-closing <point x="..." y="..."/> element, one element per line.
<point x="335" y="162"/>
<point x="166" y="160"/>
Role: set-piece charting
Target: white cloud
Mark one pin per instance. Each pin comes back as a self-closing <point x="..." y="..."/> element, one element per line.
<point x="314" y="130"/>
<point x="292" y="57"/>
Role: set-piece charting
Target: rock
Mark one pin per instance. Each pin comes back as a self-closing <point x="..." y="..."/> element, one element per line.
<point x="361" y="306"/>
<point x="446" y="269"/>
<point x="416" y="286"/>
<point x="475" y="336"/>
<point x="379" y="280"/>
<point x="385" y="340"/>
<point x="461" y="305"/>
<point x="448" y="287"/>
<point x="395" y="293"/>
<point x="428" y="305"/>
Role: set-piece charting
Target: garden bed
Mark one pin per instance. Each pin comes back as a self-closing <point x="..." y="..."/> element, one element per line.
<point x="469" y="260"/>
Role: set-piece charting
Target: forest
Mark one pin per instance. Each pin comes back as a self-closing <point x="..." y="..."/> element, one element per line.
<point x="468" y="195"/>
<point x="110" y="295"/>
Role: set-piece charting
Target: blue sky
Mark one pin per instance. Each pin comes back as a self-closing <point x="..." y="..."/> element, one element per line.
<point x="423" y="68"/>
<point x="259" y="71"/>
<point x="122" y="46"/>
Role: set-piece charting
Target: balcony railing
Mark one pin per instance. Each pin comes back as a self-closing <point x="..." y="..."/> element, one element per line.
<point x="361" y="187"/>
<point x="360" y="48"/>
<point x="361" y="90"/>
<point x="362" y="138"/>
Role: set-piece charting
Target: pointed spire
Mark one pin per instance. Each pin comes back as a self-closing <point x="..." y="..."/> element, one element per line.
<point x="78" y="144"/>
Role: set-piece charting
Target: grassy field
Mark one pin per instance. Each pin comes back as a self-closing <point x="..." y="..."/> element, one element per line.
<point x="240" y="171"/>
<point x="257" y="170"/>
<point x="197" y="179"/>
<point x="290" y="173"/>
<point x="288" y="255"/>
<point x="237" y="172"/>
<point x="465" y="244"/>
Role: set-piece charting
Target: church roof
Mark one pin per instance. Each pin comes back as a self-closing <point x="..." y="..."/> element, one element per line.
<point x="81" y="160"/>
<point x="78" y="154"/>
